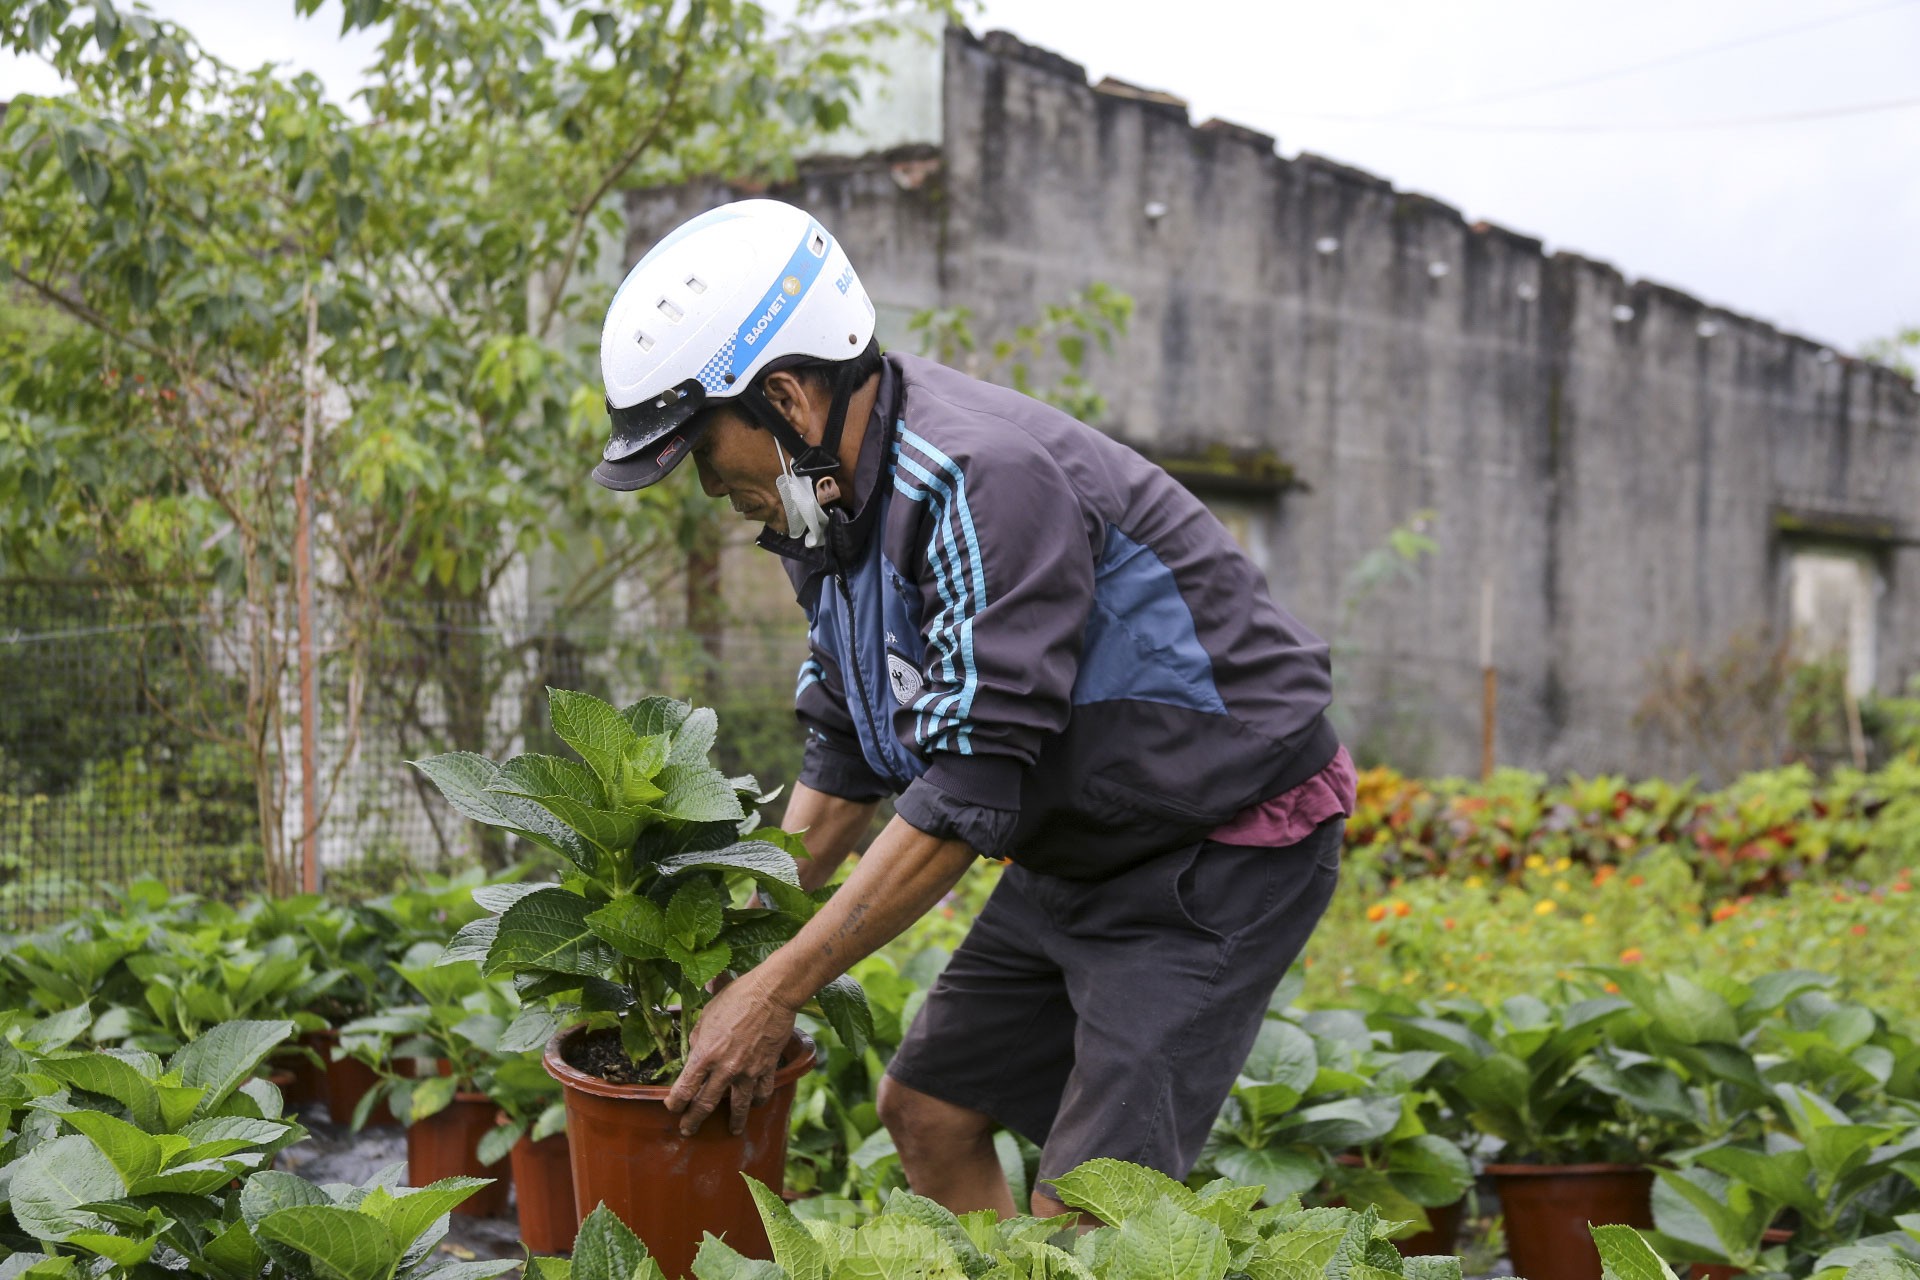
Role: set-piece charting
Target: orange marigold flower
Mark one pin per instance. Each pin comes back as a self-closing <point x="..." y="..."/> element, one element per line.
<point x="1376" y="913"/>
<point x="1604" y="874"/>
<point x="1402" y="910"/>
<point x="1902" y="887"/>
<point x="1841" y="897"/>
<point x="1380" y="939"/>
<point x="1612" y="988"/>
<point x="1636" y="881"/>
<point x="1447" y="924"/>
<point x="1631" y="955"/>
<point x="1859" y="931"/>
<point x="1725" y="911"/>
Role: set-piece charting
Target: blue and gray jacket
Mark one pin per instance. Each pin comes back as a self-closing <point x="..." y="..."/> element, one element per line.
<point x="1040" y="642"/>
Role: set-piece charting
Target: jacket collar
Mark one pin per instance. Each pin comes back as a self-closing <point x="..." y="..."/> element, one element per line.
<point x="849" y="532"/>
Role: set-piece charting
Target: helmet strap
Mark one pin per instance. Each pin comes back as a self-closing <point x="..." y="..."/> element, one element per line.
<point x="811" y="461"/>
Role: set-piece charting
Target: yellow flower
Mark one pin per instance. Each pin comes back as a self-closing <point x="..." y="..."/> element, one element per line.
<point x="1750" y="941"/>
<point x="1563" y="864"/>
<point x="1545" y="907"/>
<point x="1475" y="882"/>
<point x="1561" y="886"/>
<point x="1535" y="862"/>
<point x="1589" y="919"/>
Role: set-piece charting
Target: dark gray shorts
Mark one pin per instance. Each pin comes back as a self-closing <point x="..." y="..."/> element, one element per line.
<point x="1110" y="1018"/>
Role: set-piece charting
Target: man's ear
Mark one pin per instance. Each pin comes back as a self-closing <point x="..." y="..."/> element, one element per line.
<point x="791" y="398"/>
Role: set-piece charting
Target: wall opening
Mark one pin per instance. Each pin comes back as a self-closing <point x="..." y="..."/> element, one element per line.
<point x="1833" y="603"/>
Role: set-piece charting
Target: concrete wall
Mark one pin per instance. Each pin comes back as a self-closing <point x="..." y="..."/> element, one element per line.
<point x="1617" y="458"/>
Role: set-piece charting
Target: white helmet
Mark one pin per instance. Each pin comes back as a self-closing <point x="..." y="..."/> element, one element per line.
<point x="723" y="299"/>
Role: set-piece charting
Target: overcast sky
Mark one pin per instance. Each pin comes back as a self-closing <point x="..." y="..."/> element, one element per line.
<point x="1796" y="206"/>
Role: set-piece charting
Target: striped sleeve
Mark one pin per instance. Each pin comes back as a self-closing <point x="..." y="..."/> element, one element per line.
<point x="1007" y="583"/>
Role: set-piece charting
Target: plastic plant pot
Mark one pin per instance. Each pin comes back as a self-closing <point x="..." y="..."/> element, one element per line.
<point x="669" y="1189"/>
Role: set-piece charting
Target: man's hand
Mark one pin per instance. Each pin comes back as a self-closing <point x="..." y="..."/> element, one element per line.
<point x="736" y="1048"/>
<point x="736" y="1044"/>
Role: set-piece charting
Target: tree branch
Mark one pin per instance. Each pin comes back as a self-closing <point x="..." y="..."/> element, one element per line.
<point x="584" y="210"/>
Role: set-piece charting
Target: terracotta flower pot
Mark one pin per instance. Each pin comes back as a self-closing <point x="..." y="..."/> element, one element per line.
<point x="348" y="1080"/>
<point x="309" y="1083"/>
<point x="1547" y="1209"/>
<point x="1726" y="1270"/>
<point x="447" y="1145"/>
<point x="543" y="1188"/>
<point x="672" y="1190"/>
<point x="1443" y="1223"/>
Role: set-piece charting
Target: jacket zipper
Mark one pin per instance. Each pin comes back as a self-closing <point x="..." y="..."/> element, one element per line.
<point x="855" y="678"/>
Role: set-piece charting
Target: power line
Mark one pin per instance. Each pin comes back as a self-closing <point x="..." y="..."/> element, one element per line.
<point x="1699" y="51"/>
<point x="1647" y="126"/>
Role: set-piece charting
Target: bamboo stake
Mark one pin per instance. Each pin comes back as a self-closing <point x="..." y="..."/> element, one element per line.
<point x="1489" y="680"/>
<point x="303" y="588"/>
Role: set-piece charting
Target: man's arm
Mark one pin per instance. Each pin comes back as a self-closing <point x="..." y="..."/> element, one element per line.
<point x="737" y="1042"/>
<point x="831" y="825"/>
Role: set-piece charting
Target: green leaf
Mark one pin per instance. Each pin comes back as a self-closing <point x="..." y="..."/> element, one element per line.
<point x="698" y="793"/>
<point x="844" y="1004"/>
<point x="344" y="1244"/>
<point x="1691" y="1014"/>
<point x="696" y="912"/>
<point x="1282" y="1054"/>
<point x="571" y="795"/>
<point x="472" y="942"/>
<point x="411" y="1213"/>
<point x="596" y="730"/>
<point x="759" y="859"/>
<point x="1625" y="1256"/>
<point x="1165" y="1242"/>
<point x="51" y="1181"/>
<point x="1113" y="1190"/>
<point x="548" y="930"/>
<point x="133" y="1153"/>
<point x="1781" y="1176"/>
<point x="430" y="1097"/>
<point x="1429" y="1170"/>
<point x="605" y="1249"/>
<point x="223" y="1057"/>
<point x="694" y="738"/>
<point x="634" y="925"/>
<point x="718" y="1261"/>
<point x="113" y="1077"/>
<point x="698" y="968"/>
<point x="232" y="1254"/>
<point x="1432" y="1268"/>
<point x="463" y="778"/>
<point x="794" y="1248"/>
<point x="655" y="715"/>
<point x="1279" y="1171"/>
<point x="1347" y="1122"/>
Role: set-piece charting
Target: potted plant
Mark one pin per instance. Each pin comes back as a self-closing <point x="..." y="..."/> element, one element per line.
<point x="1317" y="1101"/>
<point x="1532" y="1075"/>
<point x="658" y="902"/>
<point x="456" y="1024"/>
<point x="344" y="943"/>
<point x="532" y="1137"/>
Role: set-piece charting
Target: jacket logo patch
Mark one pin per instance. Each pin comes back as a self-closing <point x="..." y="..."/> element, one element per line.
<point x="905" y="680"/>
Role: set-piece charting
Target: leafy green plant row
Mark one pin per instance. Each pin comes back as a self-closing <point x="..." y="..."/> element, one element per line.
<point x="1764" y="831"/>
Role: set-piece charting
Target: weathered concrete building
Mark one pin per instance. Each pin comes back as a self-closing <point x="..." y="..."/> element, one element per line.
<point x="1628" y="471"/>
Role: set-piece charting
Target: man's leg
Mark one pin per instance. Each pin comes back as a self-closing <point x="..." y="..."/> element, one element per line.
<point x="946" y="1151"/>
<point x="1170" y="967"/>
<point x="991" y="1047"/>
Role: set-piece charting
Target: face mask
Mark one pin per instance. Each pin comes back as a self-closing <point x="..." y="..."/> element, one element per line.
<point x="806" y="518"/>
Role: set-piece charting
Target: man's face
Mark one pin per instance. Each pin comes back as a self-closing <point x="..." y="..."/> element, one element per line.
<point x="740" y="463"/>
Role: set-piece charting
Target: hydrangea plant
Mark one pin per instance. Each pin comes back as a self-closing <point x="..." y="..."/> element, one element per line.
<point x="669" y="881"/>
